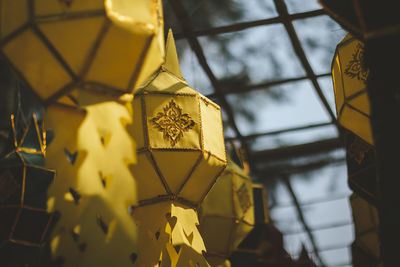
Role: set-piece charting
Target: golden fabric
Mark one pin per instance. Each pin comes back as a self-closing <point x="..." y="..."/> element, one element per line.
<point x="95" y="191"/>
<point x="349" y="81"/>
<point x="169" y="236"/>
<point x="366" y="223"/>
<point x="179" y="137"/>
<point x="110" y="46"/>
<point x="227" y="214"/>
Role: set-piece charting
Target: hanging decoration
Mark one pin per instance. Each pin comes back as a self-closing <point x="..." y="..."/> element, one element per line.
<point x="250" y="250"/>
<point x="353" y="111"/>
<point x="110" y="46"/>
<point x="366" y="247"/>
<point x="349" y="81"/>
<point x="24" y="222"/>
<point x="227" y="214"/>
<point x="93" y="152"/>
<point x="179" y="137"/>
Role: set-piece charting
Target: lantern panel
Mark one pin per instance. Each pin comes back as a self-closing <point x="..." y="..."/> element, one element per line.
<point x="337" y="84"/>
<point x="8" y="219"/>
<point x="353" y="74"/>
<point x="50" y="7"/>
<point x="36" y="69"/>
<point x="357" y="123"/>
<point x="14" y="14"/>
<point x="31" y="225"/>
<point x="122" y="47"/>
<point x="225" y="204"/>
<point x="148" y="182"/>
<point x="202" y="178"/>
<point x="211" y="120"/>
<point x="218" y="235"/>
<point x="173" y="121"/>
<point x="169" y="83"/>
<point x="77" y="39"/>
<point x="361" y="103"/>
<point x="138" y="132"/>
<point x="243" y="199"/>
<point x="185" y="163"/>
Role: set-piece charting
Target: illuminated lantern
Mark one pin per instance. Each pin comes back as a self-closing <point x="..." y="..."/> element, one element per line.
<point x="353" y="111"/>
<point x="179" y="137"/>
<point x="62" y="46"/>
<point x="227" y="214"/>
<point x="24" y="222"/>
<point x="349" y="81"/>
<point x="366" y="247"/>
<point x="93" y="193"/>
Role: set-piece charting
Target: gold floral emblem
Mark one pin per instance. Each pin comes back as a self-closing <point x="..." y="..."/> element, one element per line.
<point x="355" y="68"/>
<point x="244" y="198"/>
<point x="357" y="150"/>
<point x="172" y="122"/>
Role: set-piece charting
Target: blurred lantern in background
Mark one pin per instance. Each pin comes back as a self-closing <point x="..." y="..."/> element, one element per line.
<point x="353" y="111"/>
<point x="366" y="247"/>
<point x="24" y="222"/>
<point x="349" y="81"/>
<point x="179" y="136"/>
<point x="60" y="47"/>
<point x="363" y="18"/>
<point x="227" y="213"/>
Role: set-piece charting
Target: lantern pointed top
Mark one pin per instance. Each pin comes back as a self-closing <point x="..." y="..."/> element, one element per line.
<point x="171" y="57"/>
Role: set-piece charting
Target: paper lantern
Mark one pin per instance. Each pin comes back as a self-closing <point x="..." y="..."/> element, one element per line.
<point x="250" y="249"/>
<point x="349" y="81"/>
<point x="23" y="190"/>
<point x="361" y="167"/>
<point x="366" y="224"/>
<point x="179" y="137"/>
<point x="61" y="46"/>
<point x="364" y="18"/>
<point x="92" y="152"/>
<point x="227" y="213"/>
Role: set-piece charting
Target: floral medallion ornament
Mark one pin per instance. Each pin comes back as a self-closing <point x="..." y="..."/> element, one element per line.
<point x="244" y="198"/>
<point x="355" y="68"/>
<point x="172" y="122"/>
<point x="357" y="150"/>
<point x="349" y="81"/>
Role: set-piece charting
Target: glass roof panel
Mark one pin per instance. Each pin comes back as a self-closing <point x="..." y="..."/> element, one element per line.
<point x="296" y="6"/>
<point x="319" y="37"/>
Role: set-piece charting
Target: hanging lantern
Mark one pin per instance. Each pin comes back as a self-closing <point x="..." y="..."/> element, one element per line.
<point x="227" y="213"/>
<point x="179" y="137"/>
<point x="250" y="249"/>
<point x="24" y="222"/>
<point x="349" y="81"/>
<point x="366" y="223"/>
<point x="93" y="193"/>
<point x="366" y="19"/>
<point x="61" y="46"/>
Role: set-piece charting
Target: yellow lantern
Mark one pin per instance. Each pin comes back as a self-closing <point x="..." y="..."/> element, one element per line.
<point x="93" y="193"/>
<point x="179" y="136"/>
<point x="61" y="46"/>
<point x="366" y="224"/>
<point x="227" y="214"/>
<point x="349" y="81"/>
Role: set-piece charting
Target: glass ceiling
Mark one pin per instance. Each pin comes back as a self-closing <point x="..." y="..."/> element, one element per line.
<point x="270" y="72"/>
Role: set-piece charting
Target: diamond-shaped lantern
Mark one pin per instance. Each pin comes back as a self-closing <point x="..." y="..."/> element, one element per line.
<point x="366" y="224"/>
<point x="349" y="81"/>
<point x="227" y="213"/>
<point x="178" y="133"/>
<point x="61" y="46"/>
<point x="23" y="189"/>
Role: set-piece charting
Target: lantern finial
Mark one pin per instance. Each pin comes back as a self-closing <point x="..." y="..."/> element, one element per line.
<point x="171" y="59"/>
